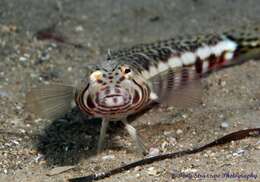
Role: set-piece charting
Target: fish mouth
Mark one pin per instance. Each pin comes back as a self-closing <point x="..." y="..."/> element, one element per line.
<point x="113" y="95"/>
<point x="115" y="100"/>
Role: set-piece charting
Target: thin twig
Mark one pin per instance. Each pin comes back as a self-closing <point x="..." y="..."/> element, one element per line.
<point x="238" y="135"/>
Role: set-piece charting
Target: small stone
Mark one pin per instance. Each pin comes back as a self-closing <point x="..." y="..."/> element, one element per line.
<point x="221" y="116"/>
<point x="38" y="120"/>
<point x="15" y="142"/>
<point x="39" y="158"/>
<point x="26" y="55"/>
<point x="184" y="116"/>
<point x="172" y="141"/>
<point x="153" y="152"/>
<point x="224" y="125"/>
<point x="18" y="107"/>
<point x="8" y="28"/>
<point x="58" y="170"/>
<point x="170" y="108"/>
<point x="79" y="28"/>
<point x="69" y="69"/>
<point x="167" y="133"/>
<point x="53" y="45"/>
<point x="152" y="171"/>
<point x="44" y="56"/>
<point x="164" y="146"/>
<point x="43" y="162"/>
<point x="108" y="157"/>
<point x="179" y="132"/>
<point x="239" y="152"/>
<point x="223" y="83"/>
<point x="33" y="152"/>
<point x="138" y="168"/>
<point x="189" y="170"/>
<point x="22" y="130"/>
<point x="22" y="59"/>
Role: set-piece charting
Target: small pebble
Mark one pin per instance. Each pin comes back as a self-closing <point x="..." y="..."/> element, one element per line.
<point x="184" y="116"/>
<point x="179" y="132"/>
<point x="153" y="152"/>
<point x="39" y="158"/>
<point x="15" y="142"/>
<point x="152" y="171"/>
<point x="138" y="168"/>
<point x="26" y="55"/>
<point x="22" y="130"/>
<point x="8" y="28"/>
<point x="52" y="45"/>
<point x="44" y="56"/>
<point x="224" y="125"/>
<point x="189" y="170"/>
<point x="108" y="157"/>
<point x="239" y="152"/>
<point x="221" y="116"/>
<point x="172" y="141"/>
<point x="18" y="107"/>
<point x="79" y="28"/>
<point x="69" y="69"/>
<point x="164" y="146"/>
<point x="58" y="170"/>
<point x="22" y="59"/>
<point x="223" y="83"/>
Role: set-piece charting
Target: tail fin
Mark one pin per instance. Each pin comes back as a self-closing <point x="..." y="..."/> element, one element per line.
<point x="248" y="44"/>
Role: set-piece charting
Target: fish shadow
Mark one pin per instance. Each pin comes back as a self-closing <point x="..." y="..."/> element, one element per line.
<point x="68" y="139"/>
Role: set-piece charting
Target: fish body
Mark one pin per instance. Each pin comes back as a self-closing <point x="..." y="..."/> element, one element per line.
<point x="165" y="72"/>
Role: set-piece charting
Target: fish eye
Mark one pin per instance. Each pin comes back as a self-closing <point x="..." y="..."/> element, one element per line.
<point x="127" y="70"/>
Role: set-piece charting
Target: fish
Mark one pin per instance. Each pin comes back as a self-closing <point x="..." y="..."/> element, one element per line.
<point x="166" y="72"/>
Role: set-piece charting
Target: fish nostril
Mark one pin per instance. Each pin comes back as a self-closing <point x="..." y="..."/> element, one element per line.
<point x="117" y="90"/>
<point x="107" y="91"/>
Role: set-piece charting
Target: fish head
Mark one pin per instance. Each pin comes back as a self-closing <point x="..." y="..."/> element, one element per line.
<point x="114" y="93"/>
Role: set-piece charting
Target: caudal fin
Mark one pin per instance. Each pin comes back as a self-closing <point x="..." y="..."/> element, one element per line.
<point x="248" y="44"/>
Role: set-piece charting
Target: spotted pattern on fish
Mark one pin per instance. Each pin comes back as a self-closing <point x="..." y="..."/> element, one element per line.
<point x="155" y="66"/>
